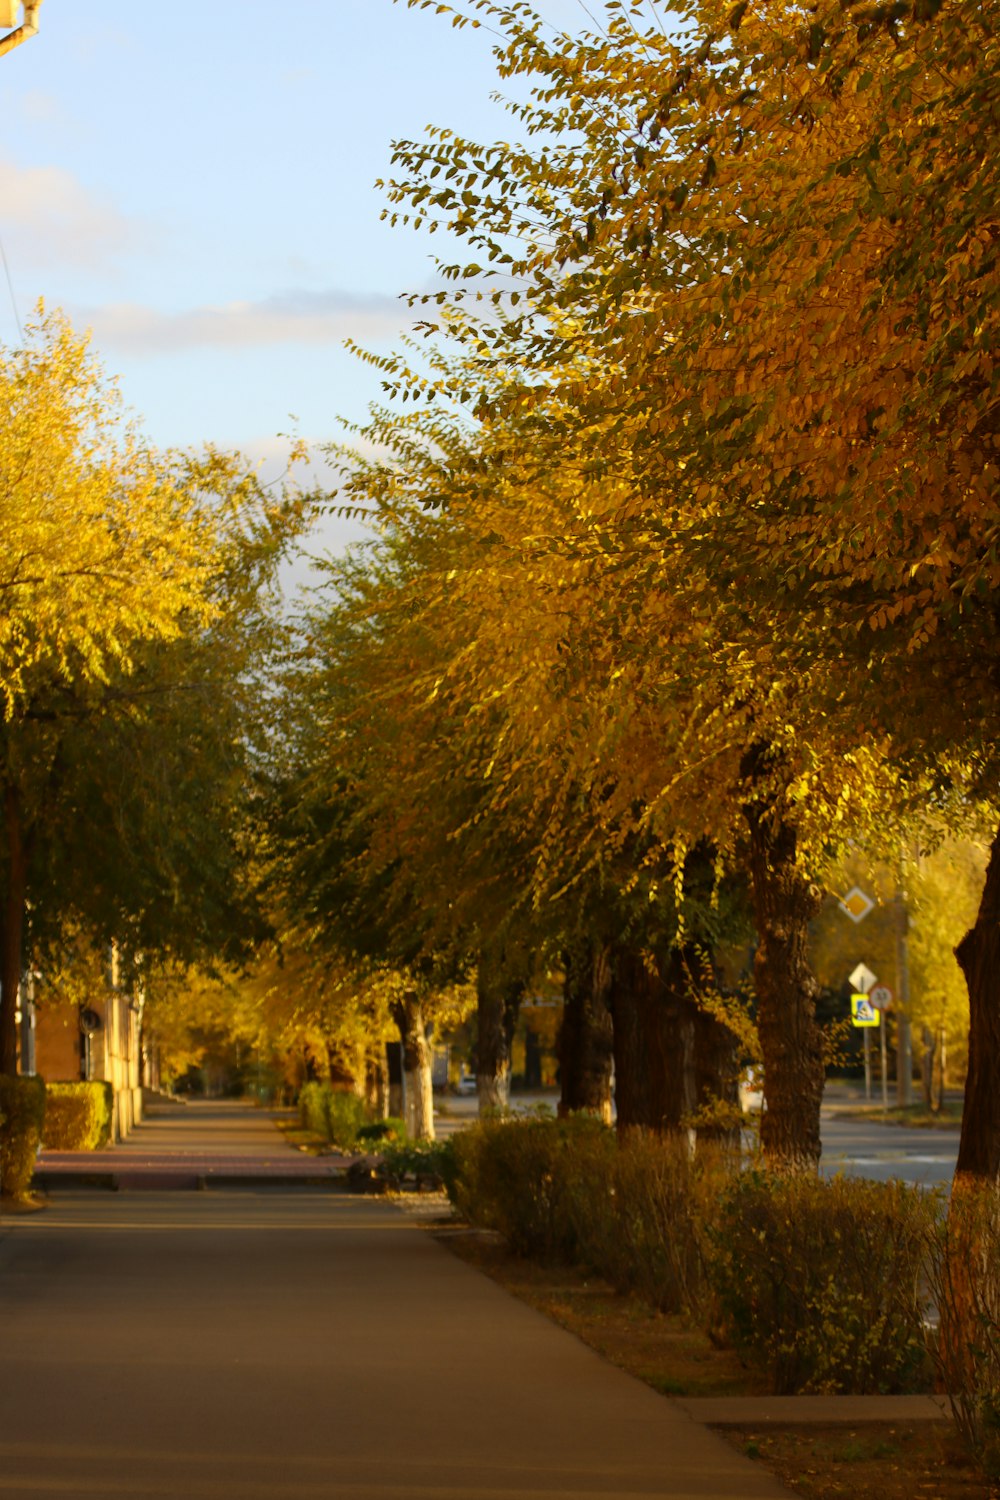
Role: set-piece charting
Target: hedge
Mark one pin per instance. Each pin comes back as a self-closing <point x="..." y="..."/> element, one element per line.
<point x="821" y="1284"/>
<point x="78" y="1116"/>
<point x="335" y="1114"/>
<point x="22" y="1106"/>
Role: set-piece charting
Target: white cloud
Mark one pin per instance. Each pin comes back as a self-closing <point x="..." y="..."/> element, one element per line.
<point x="50" y="218"/>
<point x="291" y="318"/>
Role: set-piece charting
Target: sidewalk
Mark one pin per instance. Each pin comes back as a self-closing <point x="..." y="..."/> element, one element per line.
<point x="289" y="1345"/>
<point x="201" y="1144"/>
<point x="315" y="1344"/>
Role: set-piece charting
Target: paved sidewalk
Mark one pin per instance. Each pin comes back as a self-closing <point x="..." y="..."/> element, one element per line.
<point x="297" y="1345"/>
<point x="198" y="1144"/>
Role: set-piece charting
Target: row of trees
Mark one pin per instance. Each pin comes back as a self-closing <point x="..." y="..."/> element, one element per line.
<point x="687" y="576"/>
<point x="138" y="627"/>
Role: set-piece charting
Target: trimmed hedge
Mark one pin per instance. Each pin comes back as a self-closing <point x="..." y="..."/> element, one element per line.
<point x="524" y="1176"/>
<point x="78" y="1116"/>
<point x="822" y="1284"/>
<point x="22" y="1106"/>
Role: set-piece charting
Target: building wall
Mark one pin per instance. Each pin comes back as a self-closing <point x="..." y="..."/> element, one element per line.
<point x="112" y="1053"/>
<point x="58" y="1043"/>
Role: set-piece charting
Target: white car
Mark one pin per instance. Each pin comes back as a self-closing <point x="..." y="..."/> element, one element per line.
<point x="751" y="1090"/>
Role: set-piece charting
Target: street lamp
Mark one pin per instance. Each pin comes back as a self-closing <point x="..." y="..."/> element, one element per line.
<point x="8" y="18"/>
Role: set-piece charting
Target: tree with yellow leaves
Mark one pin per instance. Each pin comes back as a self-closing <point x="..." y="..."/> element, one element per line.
<point x="137" y="613"/>
<point x="760" y="245"/>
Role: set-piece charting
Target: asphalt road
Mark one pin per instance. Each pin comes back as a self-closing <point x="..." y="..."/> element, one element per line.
<point x="863" y="1148"/>
<point x="300" y="1343"/>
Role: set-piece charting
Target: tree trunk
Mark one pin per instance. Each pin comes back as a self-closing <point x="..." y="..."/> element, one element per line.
<point x="653" y="1015"/>
<point x="790" y="1040"/>
<point x="493" y="1014"/>
<point x="12" y="927"/>
<point x="586" y="1044"/>
<point x="716" y="1079"/>
<point x="376" y="1073"/>
<point x="409" y="1017"/>
<point x="978" y="955"/>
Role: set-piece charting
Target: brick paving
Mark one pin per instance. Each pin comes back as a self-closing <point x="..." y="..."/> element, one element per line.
<point x="190" y="1145"/>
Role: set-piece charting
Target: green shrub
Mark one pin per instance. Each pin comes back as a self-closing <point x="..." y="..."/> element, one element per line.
<point x="822" y="1284"/>
<point x="390" y="1129"/>
<point x="965" y="1282"/>
<point x="345" y="1115"/>
<point x="427" y="1162"/>
<point x="311" y="1111"/>
<point x="633" y="1210"/>
<point x="643" y="1219"/>
<point x="335" y="1114"/>
<point x="522" y="1177"/>
<point x="22" y="1105"/>
<point x="78" y="1116"/>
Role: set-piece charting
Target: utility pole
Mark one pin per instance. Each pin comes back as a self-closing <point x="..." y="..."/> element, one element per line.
<point x="8" y="19"/>
<point x="904" y="1044"/>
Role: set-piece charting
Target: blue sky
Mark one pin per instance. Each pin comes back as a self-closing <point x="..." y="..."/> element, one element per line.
<point x="195" y="182"/>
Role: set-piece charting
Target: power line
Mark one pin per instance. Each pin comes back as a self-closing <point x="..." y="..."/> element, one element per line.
<point x="10" y="288"/>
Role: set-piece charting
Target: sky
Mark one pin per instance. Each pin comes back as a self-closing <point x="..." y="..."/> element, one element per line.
<point x="195" y="183"/>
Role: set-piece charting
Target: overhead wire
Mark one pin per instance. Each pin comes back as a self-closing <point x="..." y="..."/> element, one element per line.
<point x="10" y="289"/>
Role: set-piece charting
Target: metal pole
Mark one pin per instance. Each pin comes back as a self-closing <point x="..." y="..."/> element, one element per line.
<point x="904" y="1046"/>
<point x="868" y="1065"/>
<point x="885" y="1061"/>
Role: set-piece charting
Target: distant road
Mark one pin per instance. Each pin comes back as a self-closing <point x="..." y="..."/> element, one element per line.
<point x="859" y="1148"/>
<point x="863" y="1148"/>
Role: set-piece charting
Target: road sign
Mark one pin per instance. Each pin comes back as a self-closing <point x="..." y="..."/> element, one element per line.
<point x="862" y="978"/>
<point x="881" y="996"/>
<point x="856" y="904"/>
<point x="863" y="1012"/>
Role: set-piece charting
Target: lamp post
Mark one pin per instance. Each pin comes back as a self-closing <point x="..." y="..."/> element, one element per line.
<point x="8" y="19"/>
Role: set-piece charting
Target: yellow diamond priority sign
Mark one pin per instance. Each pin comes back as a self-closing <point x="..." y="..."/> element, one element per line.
<point x="856" y="904"/>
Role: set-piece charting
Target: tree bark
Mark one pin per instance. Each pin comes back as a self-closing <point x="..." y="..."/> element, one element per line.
<point x="586" y="1041"/>
<point x="12" y="927"/>
<point x="978" y="955"/>
<point x="654" y="1027"/>
<point x="409" y="1017"/>
<point x="376" y="1074"/>
<point x="790" y="1039"/>
<point x="498" y="1000"/>
<point x="716" y="1079"/>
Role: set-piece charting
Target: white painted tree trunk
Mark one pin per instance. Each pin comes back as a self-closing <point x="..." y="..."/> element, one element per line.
<point x="417" y="1068"/>
<point x="420" y="1098"/>
<point x="494" y="1090"/>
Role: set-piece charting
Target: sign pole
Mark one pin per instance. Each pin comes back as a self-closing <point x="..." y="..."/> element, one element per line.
<point x="885" y="1068"/>
<point x="868" y="1066"/>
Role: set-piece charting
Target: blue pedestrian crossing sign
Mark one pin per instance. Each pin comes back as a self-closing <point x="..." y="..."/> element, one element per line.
<point x="863" y="1012"/>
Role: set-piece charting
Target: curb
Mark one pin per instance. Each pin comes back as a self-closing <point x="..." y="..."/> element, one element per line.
<point x="793" y="1411"/>
<point x="181" y="1181"/>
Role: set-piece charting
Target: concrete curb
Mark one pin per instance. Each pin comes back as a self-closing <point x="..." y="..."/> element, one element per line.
<point x="791" y="1411"/>
<point x="181" y="1179"/>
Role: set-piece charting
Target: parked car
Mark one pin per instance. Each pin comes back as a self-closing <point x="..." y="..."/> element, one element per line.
<point x="751" y="1090"/>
